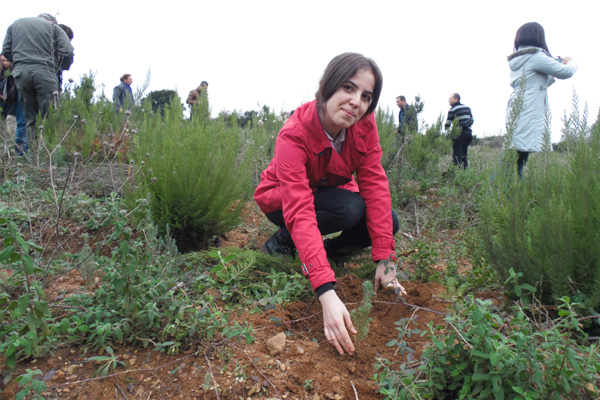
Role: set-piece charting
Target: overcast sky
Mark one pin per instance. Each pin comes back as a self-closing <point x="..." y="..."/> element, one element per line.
<point x="256" y="53"/>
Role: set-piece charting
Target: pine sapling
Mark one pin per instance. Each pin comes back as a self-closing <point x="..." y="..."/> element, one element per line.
<point x="360" y="315"/>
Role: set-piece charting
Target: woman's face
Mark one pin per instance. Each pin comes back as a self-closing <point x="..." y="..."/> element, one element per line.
<point x="129" y="80"/>
<point x="349" y="103"/>
<point x="5" y="63"/>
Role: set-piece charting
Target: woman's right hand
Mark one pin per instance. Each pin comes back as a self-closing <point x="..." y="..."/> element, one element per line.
<point x="336" y="319"/>
<point x="566" y="59"/>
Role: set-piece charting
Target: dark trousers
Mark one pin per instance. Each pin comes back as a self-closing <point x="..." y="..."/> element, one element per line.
<point x="523" y="156"/>
<point x="460" y="146"/>
<point x="338" y="210"/>
<point x="38" y="88"/>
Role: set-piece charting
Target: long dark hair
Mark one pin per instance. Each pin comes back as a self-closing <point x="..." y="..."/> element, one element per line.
<point x="340" y="69"/>
<point x="531" y="34"/>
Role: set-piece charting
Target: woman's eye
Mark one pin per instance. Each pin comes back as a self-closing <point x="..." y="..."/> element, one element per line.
<point x="347" y="88"/>
<point x="366" y="97"/>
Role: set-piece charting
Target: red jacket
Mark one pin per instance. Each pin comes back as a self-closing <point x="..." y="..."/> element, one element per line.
<point x="305" y="160"/>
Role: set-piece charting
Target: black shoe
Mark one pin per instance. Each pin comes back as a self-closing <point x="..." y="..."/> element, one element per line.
<point x="275" y="245"/>
<point x="332" y="247"/>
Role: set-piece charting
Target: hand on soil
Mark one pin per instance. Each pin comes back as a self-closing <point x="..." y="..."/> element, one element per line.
<point x="336" y="319"/>
<point x="385" y="276"/>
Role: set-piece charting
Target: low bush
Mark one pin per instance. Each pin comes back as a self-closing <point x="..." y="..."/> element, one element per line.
<point x="545" y="225"/>
<point x="484" y="353"/>
<point x="195" y="174"/>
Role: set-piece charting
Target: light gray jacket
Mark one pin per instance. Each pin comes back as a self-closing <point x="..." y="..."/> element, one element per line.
<point x="37" y="42"/>
<point x="539" y="70"/>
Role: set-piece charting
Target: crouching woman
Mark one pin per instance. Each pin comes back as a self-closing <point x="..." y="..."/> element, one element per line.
<point x="308" y="189"/>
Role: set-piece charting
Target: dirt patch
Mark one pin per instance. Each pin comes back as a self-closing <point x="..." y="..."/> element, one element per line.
<point x="309" y="365"/>
<point x="309" y="368"/>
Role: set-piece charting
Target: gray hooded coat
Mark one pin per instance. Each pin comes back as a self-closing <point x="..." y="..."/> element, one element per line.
<point x="539" y="70"/>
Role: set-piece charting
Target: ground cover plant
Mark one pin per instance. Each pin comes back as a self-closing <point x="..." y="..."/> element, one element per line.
<point x="102" y="297"/>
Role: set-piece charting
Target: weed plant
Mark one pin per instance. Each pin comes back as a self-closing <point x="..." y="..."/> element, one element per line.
<point x="483" y="353"/>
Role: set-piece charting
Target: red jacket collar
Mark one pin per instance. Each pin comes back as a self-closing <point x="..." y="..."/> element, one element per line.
<point x="307" y="117"/>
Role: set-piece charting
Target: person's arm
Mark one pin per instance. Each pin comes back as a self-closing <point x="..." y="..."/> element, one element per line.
<point x="337" y="322"/>
<point x="558" y="69"/>
<point x="449" y="120"/>
<point x="117" y="94"/>
<point x="374" y="189"/>
<point x="191" y="97"/>
<point x="386" y="276"/>
<point x="7" y="45"/>
<point x="291" y="157"/>
<point x="64" y="49"/>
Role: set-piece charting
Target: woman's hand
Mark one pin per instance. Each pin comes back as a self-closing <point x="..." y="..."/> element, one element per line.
<point x="336" y="319"/>
<point x="565" y="60"/>
<point x="385" y="276"/>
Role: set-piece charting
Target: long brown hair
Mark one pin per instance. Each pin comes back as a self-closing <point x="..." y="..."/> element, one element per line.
<point x="339" y="70"/>
<point x="531" y="34"/>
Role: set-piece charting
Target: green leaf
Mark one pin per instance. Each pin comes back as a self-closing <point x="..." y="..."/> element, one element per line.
<point x="22" y="244"/>
<point x="41" y="308"/>
<point x="24" y="302"/>
<point x="26" y="346"/>
<point x="10" y="356"/>
<point x="481" y="377"/>
<point x="29" y="264"/>
<point x="497" y="388"/>
<point x="6" y="253"/>
<point x="480" y="354"/>
<point x="65" y="324"/>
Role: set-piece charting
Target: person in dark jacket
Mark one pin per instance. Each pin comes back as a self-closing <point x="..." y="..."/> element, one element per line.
<point x="38" y="49"/>
<point x="70" y="35"/>
<point x="122" y="94"/>
<point x="407" y="118"/>
<point x="309" y="190"/>
<point x="460" y="144"/>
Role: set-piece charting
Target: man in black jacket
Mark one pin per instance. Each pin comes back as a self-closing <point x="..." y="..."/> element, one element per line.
<point x="460" y="143"/>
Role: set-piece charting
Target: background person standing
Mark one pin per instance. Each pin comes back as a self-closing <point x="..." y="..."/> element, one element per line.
<point x="38" y="49"/>
<point x="122" y="94"/>
<point x="533" y="62"/>
<point x="464" y="117"/>
<point x="197" y="96"/>
<point x="407" y="117"/>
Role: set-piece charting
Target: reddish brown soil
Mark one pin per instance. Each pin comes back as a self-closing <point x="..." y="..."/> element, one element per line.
<point x="309" y="368"/>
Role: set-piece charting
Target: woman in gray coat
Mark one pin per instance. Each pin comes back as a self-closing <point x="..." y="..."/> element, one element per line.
<point x="532" y="61"/>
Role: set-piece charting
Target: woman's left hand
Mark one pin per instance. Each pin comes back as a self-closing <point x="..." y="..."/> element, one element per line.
<point x="385" y="276"/>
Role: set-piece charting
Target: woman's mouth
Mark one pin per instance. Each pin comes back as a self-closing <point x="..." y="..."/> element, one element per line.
<point x="349" y="113"/>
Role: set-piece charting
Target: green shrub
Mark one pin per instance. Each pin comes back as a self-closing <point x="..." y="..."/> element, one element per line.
<point x="424" y="152"/>
<point x="545" y="225"/>
<point x="420" y="156"/>
<point x="197" y="181"/>
<point x="481" y="353"/>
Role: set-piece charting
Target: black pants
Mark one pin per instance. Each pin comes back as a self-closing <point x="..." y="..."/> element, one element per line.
<point x="460" y="146"/>
<point x="521" y="161"/>
<point x="338" y="210"/>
